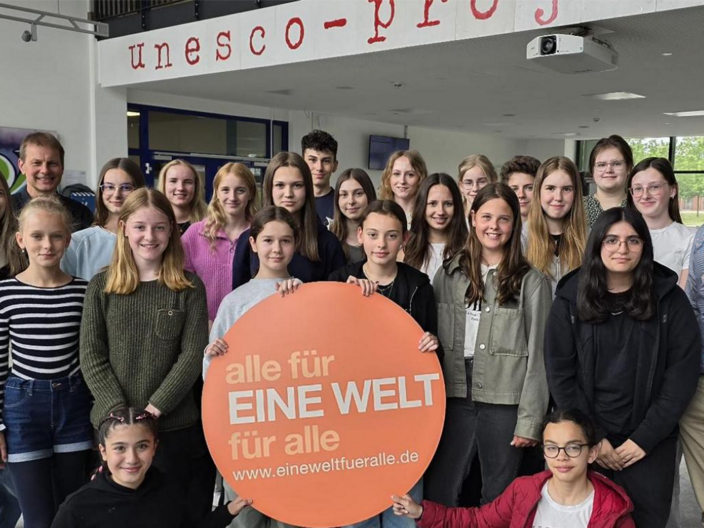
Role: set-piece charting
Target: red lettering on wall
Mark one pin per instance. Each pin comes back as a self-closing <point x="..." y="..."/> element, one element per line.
<point x="483" y="15"/>
<point x="378" y="23"/>
<point x="540" y="14"/>
<point x="262" y="33"/>
<point x="340" y="22"/>
<point x="140" y="63"/>
<point x="426" y="15"/>
<point x="193" y="48"/>
<point x="159" y="48"/>
<point x="223" y="40"/>
<point x="295" y="45"/>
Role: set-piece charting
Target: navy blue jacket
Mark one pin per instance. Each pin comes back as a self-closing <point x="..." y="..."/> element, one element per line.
<point x="246" y="263"/>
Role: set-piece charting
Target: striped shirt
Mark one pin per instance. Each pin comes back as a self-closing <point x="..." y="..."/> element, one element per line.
<point x="42" y="328"/>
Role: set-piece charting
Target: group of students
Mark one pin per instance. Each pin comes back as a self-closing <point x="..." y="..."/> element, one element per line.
<point x="531" y="295"/>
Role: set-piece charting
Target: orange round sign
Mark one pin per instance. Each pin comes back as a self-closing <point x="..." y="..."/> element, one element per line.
<point x="324" y="406"/>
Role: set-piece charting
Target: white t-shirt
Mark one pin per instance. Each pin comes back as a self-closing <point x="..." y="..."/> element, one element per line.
<point x="673" y="246"/>
<point x="550" y="514"/>
<point x="434" y="262"/>
<point x="474" y="314"/>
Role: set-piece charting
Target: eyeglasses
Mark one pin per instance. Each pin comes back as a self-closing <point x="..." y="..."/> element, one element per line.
<point x="613" y="243"/>
<point x="653" y="190"/>
<point x="571" y="450"/>
<point x="109" y="188"/>
<point x="601" y="166"/>
<point x="479" y="184"/>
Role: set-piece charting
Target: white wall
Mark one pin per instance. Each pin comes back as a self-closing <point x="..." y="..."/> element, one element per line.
<point x="46" y="84"/>
<point x="352" y="136"/>
<point x="547" y="148"/>
<point x="444" y="150"/>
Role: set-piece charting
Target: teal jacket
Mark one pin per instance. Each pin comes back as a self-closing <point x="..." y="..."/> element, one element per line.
<point x="508" y="355"/>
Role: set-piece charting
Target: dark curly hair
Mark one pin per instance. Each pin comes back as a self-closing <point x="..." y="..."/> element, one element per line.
<point x="319" y="140"/>
<point x="525" y="164"/>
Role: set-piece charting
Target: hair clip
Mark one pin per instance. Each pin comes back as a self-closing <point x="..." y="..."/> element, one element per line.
<point x="146" y="415"/>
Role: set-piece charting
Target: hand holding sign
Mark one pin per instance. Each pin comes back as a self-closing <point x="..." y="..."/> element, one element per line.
<point x="321" y="391"/>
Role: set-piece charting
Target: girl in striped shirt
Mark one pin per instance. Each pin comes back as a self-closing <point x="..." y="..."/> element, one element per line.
<point x="44" y="423"/>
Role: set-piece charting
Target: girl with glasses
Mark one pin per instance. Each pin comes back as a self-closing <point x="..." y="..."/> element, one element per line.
<point x="610" y="162"/>
<point x="566" y="495"/>
<point x="475" y="173"/>
<point x="91" y="249"/>
<point x="653" y="190"/>
<point x="622" y="345"/>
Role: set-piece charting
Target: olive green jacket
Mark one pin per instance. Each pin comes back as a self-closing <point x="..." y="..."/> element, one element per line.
<point x="508" y="355"/>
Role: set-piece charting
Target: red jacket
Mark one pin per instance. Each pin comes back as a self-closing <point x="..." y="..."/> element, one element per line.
<point x="516" y="507"/>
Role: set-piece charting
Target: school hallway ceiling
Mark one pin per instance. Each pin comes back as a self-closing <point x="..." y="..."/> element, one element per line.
<point x="487" y="86"/>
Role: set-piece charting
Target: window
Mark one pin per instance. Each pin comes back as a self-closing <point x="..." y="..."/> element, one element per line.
<point x="686" y="153"/>
<point x="198" y="134"/>
<point x="649" y="148"/>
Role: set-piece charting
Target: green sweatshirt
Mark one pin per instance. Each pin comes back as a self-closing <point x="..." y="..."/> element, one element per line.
<point x="143" y="348"/>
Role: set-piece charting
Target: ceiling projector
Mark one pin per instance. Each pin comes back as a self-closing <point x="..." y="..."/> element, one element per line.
<point x="571" y="54"/>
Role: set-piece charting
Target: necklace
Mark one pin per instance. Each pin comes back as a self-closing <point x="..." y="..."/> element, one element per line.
<point x="385" y="290"/>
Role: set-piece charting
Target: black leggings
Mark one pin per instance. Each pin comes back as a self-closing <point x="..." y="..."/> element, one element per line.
<point x="42" y="485"/>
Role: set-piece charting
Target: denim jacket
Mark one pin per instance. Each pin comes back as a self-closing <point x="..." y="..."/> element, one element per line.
<point x="508" y="355"/>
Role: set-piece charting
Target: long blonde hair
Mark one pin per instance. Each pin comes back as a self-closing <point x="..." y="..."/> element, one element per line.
<point x="416" y="161"/>
<point x="198" y="206"/>
<point x="541" y="246"/>
<point x="123" y="275"/>
<point x="216" y="218"/>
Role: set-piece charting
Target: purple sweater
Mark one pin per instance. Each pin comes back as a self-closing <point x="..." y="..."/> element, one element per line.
<point x="213" y="266"/>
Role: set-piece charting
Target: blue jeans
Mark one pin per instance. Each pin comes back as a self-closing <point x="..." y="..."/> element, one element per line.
<point x="9" y="507"/>
<point x="44" y="417"/>
<point x="387" y="519"/>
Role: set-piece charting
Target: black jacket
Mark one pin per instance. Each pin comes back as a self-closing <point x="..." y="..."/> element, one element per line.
<point x="81" y="215"/>
<point x="667" y="372"/>
<point x="245" y="263"/>
<point x="412" y="291"/>
<point x="158" y="502"/>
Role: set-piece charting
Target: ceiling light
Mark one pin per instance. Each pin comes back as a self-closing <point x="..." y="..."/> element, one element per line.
<point x="693" y="113"/>
<point x="615" y="96"/>
<point x="132" y="113"/>
<point x="667" y="54"/>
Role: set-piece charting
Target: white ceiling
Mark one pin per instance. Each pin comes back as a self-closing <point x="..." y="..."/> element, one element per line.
<point x="471" y="85"/>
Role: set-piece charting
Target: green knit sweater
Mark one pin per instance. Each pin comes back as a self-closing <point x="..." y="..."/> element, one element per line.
<point x="146" y="347"/>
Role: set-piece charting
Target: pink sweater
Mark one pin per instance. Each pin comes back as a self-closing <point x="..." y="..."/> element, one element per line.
<point x="213" y="266"/>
